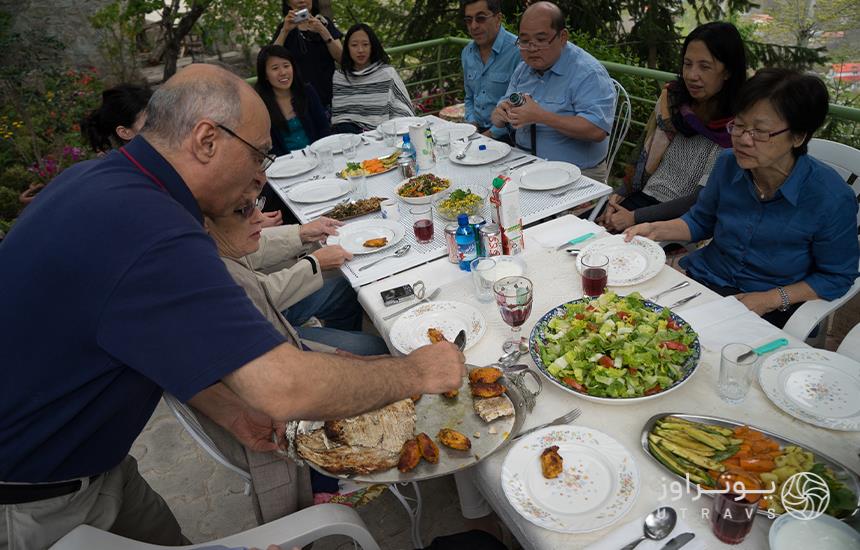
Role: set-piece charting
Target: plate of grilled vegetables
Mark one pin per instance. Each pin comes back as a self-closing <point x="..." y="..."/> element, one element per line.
<point x="702" y="447"/>
<point x="372" y="166"/>
<point x="355" y="209"/>
<point x="422" y="437"/>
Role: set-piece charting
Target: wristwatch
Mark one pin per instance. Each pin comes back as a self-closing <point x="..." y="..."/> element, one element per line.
<point x="786" y="303"/>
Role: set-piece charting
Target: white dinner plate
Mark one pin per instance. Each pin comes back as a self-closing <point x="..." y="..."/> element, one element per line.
<point x="293" y="164"/>
<point x="334" y="142"/>
<point x="321" y="190"/>
<point x="545" y="176"/>
<point x="482" y="151"/>
<point x="817" y="386"/>
<point x="458" y="131"/>
<point x="409" y="331"/>
<point x="629" y="263"/>
<point x="597" y="487"/>
<point x="402" y="124"/>
<point x="352" y="236"/>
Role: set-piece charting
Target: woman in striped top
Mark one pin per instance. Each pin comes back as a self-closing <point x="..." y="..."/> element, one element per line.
<point x="367" y="90"/>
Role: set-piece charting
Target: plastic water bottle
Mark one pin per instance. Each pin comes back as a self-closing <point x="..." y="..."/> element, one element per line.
<point x="407" y="147"/>
<point x="465" y="236"/>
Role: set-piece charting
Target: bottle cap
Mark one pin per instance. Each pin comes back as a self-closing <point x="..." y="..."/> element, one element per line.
<point x="463" y="219"/>
<point x="498" y="183"/>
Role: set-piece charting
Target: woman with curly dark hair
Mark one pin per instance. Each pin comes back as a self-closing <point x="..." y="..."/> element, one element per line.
<point x="118" y="119"/>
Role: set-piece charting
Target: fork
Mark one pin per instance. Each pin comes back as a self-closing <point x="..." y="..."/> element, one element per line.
<point x="564" y="419"/>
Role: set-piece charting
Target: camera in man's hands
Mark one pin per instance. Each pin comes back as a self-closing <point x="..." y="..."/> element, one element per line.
<point x="301" y="15"/>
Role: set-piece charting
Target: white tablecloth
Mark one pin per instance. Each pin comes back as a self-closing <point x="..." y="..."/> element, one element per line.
<point x="535" y="206"/>
<point x="557" y="281"/>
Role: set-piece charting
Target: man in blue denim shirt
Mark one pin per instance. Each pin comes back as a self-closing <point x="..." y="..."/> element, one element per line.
<point x="570" y="103"/>
<point x="488" y="61"/>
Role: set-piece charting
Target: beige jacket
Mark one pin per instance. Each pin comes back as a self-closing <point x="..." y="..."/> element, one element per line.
<point x="287" y="280"/>
<point x="280" y="487"/>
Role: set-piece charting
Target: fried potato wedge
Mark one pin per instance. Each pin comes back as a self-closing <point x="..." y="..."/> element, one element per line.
<point x="551" y="463"/>
<point x="484" y="375"/>
<point x="376" y="243"/>
<point x="410" y="455"/>
<point x="428" y="449"/>
<point x="435" y="335"/>
<point x="481" y="389"/>
<point x="454" y="439"/>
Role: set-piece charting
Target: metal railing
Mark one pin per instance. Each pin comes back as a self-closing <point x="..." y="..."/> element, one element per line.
<point x="433" y="75"/>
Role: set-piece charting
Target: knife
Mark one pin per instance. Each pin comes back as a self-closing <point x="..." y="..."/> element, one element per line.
<point x="683" y="301"/>
<point x="761" y="350"/>
<point x="512" y="168"/>
<point x="575" y="240"/>
<point x="679" y="541"/>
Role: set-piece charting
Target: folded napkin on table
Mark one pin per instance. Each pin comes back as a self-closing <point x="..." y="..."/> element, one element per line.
<point x="571" y="228"/>
<point x="728" y="321"/>
<point x="629" y="532"/>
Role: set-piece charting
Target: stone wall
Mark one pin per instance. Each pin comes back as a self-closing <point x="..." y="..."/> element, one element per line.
<point x="65" y="20"/>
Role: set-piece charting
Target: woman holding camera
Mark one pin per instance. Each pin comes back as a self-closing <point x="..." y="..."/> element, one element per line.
<point x="314" y="42"/>
<point x="367" y="90"/>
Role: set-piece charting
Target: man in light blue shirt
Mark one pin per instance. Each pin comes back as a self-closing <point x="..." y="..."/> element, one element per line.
<point x="570" y="99"/>
<point x="488" y="61"/>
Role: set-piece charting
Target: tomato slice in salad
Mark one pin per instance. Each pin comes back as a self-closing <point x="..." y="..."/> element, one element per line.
<point x="677" y="346"/>
<point x="574" y="384"/>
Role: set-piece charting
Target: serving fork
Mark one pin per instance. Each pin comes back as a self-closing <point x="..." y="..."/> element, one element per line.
<point x="563" y="419"/>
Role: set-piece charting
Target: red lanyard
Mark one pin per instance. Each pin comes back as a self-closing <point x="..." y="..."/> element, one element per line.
<point x="140" y="167"/>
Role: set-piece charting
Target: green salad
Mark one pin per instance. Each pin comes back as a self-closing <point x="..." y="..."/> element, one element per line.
<point x="616" y="347"/>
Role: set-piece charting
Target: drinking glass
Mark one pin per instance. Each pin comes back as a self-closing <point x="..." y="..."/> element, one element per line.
<point x="483" y="275"/>
<point x="358" y="186"/>
<point x="594" y="274"/>
<point x="348" y="143"/>
<point x="734" y="511"/>
<point x="736" y="373"/>
<point x="442" y="137"/>
<point x="326" y="159"/>
<point x="514" y="298"/>
<point x="389" y="134"/>
<point x="422" y="222"/>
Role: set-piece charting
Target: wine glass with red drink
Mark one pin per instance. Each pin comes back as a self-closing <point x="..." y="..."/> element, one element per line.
<point x="595" y="272"/>
<point x="514" y="297"/>
<point x="422" y="222"/>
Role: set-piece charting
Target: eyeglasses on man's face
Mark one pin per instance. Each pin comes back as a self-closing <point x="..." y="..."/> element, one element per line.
<point x="248" y="210"/>
<point x="265" y="159"/>
<point x="538" y="44"/>
<point x="479" y="18"/>
<point x="761" y="136"/>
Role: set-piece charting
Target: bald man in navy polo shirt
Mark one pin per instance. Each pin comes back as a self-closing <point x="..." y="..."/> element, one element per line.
<point x="112" y="293"/>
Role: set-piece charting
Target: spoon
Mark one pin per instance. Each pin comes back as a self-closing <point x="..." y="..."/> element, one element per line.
<point x="460" y="340"/>
<point x="462" y="154"/>
<point x="658" y="525"/>
<point x="511" y="356"/>
<point x="397" y="254"/>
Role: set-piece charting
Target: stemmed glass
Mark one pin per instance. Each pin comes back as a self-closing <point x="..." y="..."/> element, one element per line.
<point x="514" y="297"/>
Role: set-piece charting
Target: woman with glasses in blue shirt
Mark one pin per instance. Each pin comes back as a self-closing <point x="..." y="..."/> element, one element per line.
<point x="784" y="225"/>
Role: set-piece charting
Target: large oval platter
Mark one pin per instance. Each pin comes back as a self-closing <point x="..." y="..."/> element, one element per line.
<point x="538" y="332"/>
<point x="434" y="412"/>
<point x="842" y="472"/>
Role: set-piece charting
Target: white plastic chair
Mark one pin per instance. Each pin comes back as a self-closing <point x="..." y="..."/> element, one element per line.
<point x="298" y="529"/>
<point x="188" y="420"/>
<point x="846" y="161"/>
<point x="623" y="112"/>
<point x="850" y="346"/>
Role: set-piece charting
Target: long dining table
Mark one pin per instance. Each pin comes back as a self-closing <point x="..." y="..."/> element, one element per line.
<point x="556" y="281"/>
<point x="535" y="205"/>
